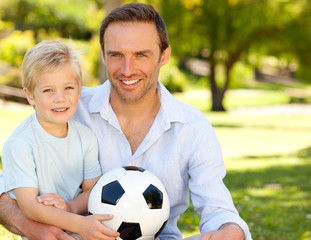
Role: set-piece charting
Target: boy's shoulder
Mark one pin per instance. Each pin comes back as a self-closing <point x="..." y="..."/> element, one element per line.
<point x="24" y="128"/>
<point x="23" y="135"/>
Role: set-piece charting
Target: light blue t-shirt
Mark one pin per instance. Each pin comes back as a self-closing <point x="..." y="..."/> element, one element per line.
<point x="34" y="158"/>
<point x="181" y="148"/>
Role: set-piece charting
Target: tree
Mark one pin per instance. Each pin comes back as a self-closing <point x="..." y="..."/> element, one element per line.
<point x="109" y="5"/>
<point x="226" y="29"/>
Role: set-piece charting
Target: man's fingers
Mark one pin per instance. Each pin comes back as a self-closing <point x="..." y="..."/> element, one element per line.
<point x="64" y="236"/>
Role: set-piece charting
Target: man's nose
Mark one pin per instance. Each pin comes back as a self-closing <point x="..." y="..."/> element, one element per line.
<point x="128" y="67"/>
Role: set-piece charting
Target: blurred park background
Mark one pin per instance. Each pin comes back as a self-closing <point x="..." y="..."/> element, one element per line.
<point x="245" y="63"/>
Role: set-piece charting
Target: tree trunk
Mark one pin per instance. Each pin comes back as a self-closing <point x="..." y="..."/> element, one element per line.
<point x="217" y="101"/>
<point x="217" y="94"/>
<point x="108" y="6"/>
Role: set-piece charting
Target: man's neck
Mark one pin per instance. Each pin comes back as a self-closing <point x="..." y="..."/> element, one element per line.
<point x="146" y="106"/>
<point x="136" y="118"/>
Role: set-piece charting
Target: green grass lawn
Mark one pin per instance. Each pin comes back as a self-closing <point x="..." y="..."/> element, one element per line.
<point x="268" y="160"/>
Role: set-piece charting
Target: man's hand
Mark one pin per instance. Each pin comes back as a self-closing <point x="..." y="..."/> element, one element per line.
<point x="12" y="218"/>
<point x="38" y="231"/>
<point x="228" y="232"/>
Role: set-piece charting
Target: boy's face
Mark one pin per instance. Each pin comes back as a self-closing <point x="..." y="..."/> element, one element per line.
<point x="55" y="98"/>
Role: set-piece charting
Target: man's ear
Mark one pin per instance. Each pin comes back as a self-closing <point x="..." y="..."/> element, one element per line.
<point x="165" y="56"/>
<point x="29" y="97"/>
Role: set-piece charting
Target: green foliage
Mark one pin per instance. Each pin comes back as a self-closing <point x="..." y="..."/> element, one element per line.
<point x="225" y="32"/>
<point x="172" y="78"/>
<point x="68" y="17"/>
<point x="13" y="47"/>
<point x="241" y="75"/>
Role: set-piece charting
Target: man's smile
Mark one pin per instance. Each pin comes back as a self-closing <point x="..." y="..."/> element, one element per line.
<point x="130" y="82"/>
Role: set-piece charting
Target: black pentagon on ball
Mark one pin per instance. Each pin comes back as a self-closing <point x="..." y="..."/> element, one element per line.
<point x="129" y="231"/>
<point x="133" y="168"/>
<point x="112" y="192"/>
<point x="153" y="197"/>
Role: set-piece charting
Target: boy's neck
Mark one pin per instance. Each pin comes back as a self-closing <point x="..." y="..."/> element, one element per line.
<point x="56" y="130"/>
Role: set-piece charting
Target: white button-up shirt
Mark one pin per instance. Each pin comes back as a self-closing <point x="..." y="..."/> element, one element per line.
<point x="2" y="185"/>
<point x="181" y="148"/>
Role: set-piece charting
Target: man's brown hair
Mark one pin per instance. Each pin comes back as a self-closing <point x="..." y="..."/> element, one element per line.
<point x="136" y="12"/>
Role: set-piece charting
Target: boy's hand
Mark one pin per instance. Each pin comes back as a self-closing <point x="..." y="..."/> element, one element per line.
<point x="94" y="229"/>
<point x="55" y="200"/>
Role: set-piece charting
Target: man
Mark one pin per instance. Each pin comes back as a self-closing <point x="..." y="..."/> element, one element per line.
<point x="138" y="122"/>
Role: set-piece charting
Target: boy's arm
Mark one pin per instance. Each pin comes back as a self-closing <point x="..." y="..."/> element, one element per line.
<point x="27" y="201"/>
<point x="79" y="205"/>
<point x="89" y="227"/>
<point x="12" y="219"/>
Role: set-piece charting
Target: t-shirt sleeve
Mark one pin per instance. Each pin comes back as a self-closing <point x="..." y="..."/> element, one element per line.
<point x="91" y="164"/>
<point x="18" y="165"/>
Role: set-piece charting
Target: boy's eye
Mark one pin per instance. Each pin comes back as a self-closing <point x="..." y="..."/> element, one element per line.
<point x="68" y="88"/>
<point x="47" y="90"/>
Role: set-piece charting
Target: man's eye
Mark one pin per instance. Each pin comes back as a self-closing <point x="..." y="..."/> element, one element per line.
<point x="141" y="55"/>
<point x="116" y="55"/>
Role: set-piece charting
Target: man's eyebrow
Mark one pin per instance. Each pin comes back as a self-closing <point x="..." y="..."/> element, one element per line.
<point x="111" y="52"/>
<point x="147" y="51"/>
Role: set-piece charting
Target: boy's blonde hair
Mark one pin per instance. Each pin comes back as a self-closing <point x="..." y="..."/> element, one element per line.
<point x="45" y="57"/>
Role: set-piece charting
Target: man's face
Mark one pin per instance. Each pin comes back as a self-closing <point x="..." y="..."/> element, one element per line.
<point x="133" y="59"/>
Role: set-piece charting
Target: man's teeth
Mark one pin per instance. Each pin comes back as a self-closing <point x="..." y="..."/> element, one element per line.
<point x="130" y="81"/>
<point x="60" y="110"/>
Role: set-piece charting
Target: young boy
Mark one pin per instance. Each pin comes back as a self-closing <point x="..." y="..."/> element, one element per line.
<point x="50" y="158"/>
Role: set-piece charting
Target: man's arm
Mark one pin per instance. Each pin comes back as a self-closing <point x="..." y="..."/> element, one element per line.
<point x="228" y="231"/>
<point x="10" y="215"/>
<point x="12" y="219"/>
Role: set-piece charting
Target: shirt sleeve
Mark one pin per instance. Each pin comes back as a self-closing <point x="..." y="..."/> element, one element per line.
<point x="18" y="165"/>
<point x="210" y="197"/>
<point x="91" y="164"/>
<point x="2" y="187"/>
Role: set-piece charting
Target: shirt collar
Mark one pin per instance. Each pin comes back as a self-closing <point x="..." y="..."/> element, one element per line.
<point x="171" y="109"/>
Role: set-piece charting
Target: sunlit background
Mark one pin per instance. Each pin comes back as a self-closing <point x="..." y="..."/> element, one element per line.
<point x="245" y="63"/>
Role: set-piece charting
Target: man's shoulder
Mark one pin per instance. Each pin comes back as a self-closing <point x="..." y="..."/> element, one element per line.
<point x="81" y="128"/>
<point x="179" y="111"/>
<point x="89" y="91"/>
<point x="190" y="113"/>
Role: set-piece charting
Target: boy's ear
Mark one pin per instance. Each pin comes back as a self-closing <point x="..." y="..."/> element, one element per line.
<point x="29" y="97"/>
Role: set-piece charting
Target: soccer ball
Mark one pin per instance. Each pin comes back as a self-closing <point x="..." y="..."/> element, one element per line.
<point x="136" y="198"/>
